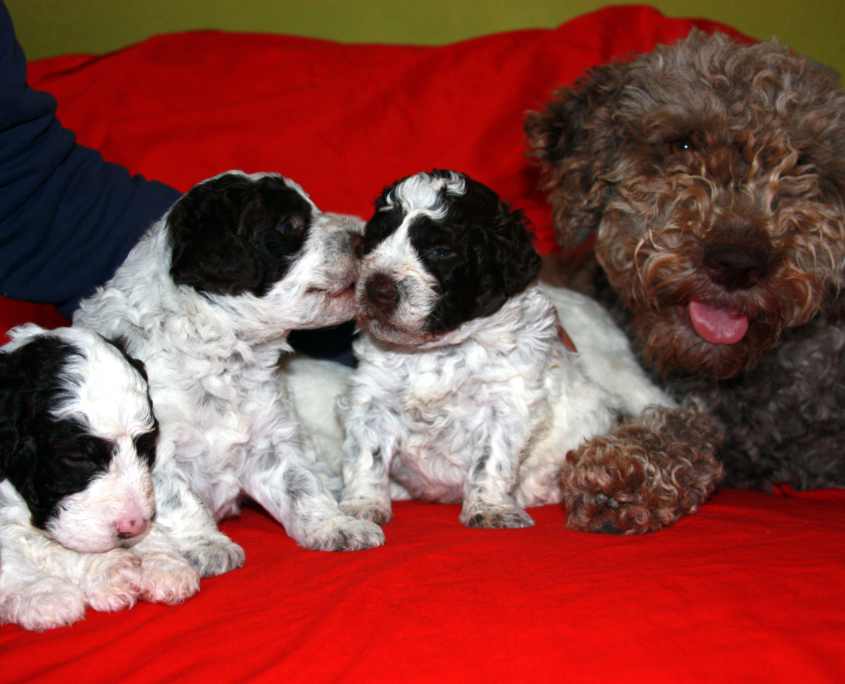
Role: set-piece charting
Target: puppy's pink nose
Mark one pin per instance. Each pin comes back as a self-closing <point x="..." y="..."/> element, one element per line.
<point x="131" y="527"/>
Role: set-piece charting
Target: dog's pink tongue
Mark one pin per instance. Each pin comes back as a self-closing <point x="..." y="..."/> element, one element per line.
<point x="717" y="326"/>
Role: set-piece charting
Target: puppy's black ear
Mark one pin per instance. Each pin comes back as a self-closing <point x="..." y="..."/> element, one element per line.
<point x="576" y="141"/>
<point x="519" y="259"/>
<point x="507" y="261"/>
<point x="12" y="400"/>
<point x="208" y="252"/>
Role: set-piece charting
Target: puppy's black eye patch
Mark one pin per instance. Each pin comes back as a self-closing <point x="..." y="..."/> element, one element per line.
<point x="63" y="463"/>
<point x="282" y="244"/>
<point x="381" y="225"/>
<point x="235" y="234"/>
<point x="82" y="455"/>
<point x="145" y="445"/>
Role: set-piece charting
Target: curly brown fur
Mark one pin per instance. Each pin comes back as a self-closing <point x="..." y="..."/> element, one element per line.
<point x="645" y="475"/>
<point x="711" y="175"/>
<point x="784" y="419"/>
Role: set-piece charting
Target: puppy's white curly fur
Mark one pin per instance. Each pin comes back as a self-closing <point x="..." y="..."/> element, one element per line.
<point x="483" y="414"/>
<point x="48" y="577"/>
<point x="228" y="426"/>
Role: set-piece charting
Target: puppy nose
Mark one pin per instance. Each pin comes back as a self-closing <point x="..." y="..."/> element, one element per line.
<point x="131" y="527"/>
<point x="357" y="243"/>
<point x="735" y="267"/>
<point x="381" y="291"/>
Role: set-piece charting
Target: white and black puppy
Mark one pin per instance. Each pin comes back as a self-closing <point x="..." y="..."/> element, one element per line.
<point x="77" y="444"/>
<point x="465" y="390"/>
<point x="206" y="300"/>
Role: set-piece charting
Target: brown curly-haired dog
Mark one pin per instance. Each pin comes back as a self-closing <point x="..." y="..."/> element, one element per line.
<point x="711" y="175"/>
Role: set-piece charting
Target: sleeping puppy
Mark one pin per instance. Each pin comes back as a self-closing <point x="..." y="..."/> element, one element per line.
<point x="466" y="390"/>
<point x="206" y="300"/>
<point x="77" y="443"/>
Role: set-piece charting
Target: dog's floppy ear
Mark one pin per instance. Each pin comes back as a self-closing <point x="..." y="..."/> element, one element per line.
<point x="13" y="406"/>
<point x="8" y="429"/>
<point x="575" y="139"/>
<point x="520" y="261"/>
<point x="209" y="254"/>
<point x="507" y="260"/>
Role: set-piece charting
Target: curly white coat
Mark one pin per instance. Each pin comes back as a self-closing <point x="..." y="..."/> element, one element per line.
<point x="228" y="427"/>
<point x="49" y="576"/>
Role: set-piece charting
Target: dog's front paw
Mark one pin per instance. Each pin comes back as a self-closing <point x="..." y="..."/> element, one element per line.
<point x="502" y="515"/>
<point x="345" y="533"/>
<point x="374" y="510"/>
<point x="212" y="557"/>
<point x="46" y="604"/>
<point x="113" y="581"/>
<point x="610" y="491"/>
<point x="644" y="476"/>
<point x="167" y="579"/>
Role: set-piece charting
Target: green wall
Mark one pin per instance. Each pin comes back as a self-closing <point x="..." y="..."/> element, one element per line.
<point x="52" y="27"/>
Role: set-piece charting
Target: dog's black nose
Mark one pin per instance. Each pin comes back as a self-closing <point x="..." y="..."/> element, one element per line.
<point x="735" y="267"/>
<point x="382" y="291"/>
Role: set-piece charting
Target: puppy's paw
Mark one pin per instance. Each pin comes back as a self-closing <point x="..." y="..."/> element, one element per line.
<point x="375" y="510"/>
<point x="345" y="533"/>
<point x="212" y="557"/>
<point x="502" y="515"/>
<point x="113" y="581"/>
<point x="168" y="579"/>
<point x="646" y="475"/>
<point x="46" y="604"/>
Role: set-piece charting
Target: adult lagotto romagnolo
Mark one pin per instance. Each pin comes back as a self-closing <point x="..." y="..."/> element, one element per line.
<point x="710" y="176"/>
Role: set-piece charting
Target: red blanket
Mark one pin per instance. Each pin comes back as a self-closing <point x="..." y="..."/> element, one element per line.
<point x="751" y="589"/>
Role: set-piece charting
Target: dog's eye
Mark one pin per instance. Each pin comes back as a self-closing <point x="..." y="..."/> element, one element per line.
<point x="441" y="252"/>
<point x="78" y="464"/>
<point x="286" y="226"/>
<point x="682" y="145"/>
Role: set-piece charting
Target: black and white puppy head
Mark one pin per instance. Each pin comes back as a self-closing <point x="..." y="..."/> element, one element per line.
<point x="77" y="437"/>
<point x="441" y="250"/>
<point x="261" y="239"/>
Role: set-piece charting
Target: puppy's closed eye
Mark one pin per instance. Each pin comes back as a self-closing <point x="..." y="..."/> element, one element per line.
<point x="79" y="464"/>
